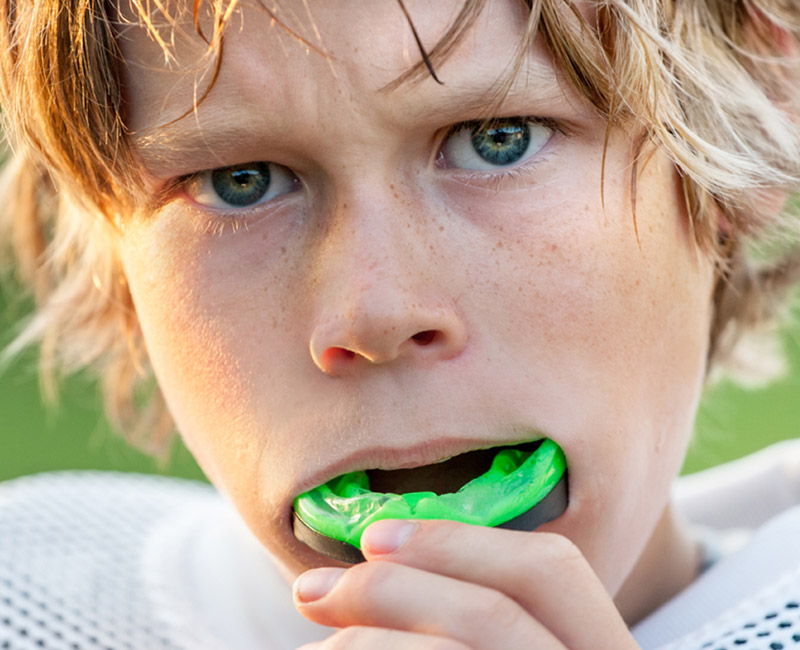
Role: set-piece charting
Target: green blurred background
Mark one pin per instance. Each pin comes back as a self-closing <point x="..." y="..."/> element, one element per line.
<point x="72" y="434"/>
<point x="732" y="422"/>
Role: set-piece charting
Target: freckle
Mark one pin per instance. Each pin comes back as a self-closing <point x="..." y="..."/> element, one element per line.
<point x="499" y="244"/>
<point x="344" y="206"/>
<point x="263" y="236"/>
<point x="391" y="186"/>
<point x="396" y="195"/>
<point x="283" y="250"/>
<point x="441" y="228"/>
<point x="554" y="247"/>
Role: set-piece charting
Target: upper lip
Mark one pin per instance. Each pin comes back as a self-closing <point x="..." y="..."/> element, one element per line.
<point x="388" y="458"/>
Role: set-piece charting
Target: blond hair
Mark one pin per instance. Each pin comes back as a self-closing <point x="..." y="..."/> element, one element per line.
<point x="713" y="83"/>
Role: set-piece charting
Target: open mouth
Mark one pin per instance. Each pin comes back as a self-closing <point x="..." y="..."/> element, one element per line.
<point x="520" y="487"/>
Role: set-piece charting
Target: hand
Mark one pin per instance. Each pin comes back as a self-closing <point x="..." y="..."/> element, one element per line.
<point x="449" y="586"/>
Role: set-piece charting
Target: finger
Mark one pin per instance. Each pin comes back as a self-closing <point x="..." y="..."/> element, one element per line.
<point x="369" y="638"/>
<point x="398" y="597"/>
<point x="545" y="573"/>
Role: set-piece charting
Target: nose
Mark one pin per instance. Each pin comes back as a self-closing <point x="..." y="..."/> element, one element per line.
<point x="383" y="300"/>
<point x="375" y="331"/>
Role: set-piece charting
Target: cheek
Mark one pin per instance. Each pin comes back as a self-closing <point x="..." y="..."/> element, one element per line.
<point x="635" y="328"/>
<point x="612" y="329"/>
<point x="591" y="304"/>
<point x="193" y="344"/>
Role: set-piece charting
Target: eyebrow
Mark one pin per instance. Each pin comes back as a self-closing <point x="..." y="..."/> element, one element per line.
<point x="164" y="149"/>
<point x="178" y="144"/>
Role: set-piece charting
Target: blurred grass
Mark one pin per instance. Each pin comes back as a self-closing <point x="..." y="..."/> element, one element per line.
<point x="733" y="421"/>
<point x="73" y="435"/>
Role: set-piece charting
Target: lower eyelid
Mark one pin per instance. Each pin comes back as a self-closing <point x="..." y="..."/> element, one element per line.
<point x="527" y="172"/>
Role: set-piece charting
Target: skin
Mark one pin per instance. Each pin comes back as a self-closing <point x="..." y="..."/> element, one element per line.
<point x="293" y="343"/>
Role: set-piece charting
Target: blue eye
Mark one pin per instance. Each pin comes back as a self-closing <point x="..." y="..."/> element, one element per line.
<point x="499" y="143"/>
<point x="241" y="186"/>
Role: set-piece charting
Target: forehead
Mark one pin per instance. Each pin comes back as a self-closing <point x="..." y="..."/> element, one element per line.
<point x="305" y="51"/>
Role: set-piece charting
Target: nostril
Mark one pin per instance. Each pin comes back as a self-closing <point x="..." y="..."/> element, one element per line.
<point x="425" y="337"/>
<point x="332" y="355"/>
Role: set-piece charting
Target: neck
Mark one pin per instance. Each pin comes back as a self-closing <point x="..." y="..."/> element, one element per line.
<point x="670" y="563"/>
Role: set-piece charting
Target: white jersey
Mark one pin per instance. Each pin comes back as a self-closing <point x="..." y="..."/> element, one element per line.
<point x="108" y="561"/>
<point x="749" y="599"/>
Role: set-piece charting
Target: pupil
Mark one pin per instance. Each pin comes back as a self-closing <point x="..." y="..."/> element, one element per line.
<point x="243" y="185"/>
<point x="501" y="144"/>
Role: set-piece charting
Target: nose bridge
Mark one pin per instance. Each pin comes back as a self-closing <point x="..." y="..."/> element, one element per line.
<point x="369" y="267"/>
<point x="373" y="257"/>
<point x="381" y="295"/>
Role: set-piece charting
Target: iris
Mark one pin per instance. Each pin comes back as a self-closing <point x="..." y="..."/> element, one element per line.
<point x="242" y="185"/>
<point x="501" y="143"/>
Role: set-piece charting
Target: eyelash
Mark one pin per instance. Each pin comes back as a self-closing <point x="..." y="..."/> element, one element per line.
<point x="217" y="223"/>
<point x="507" y="175"/>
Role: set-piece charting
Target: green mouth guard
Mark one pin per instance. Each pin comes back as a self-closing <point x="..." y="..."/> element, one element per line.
<point x="521" y="490"/>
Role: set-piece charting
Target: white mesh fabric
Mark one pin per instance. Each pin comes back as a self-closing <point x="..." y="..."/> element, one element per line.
<point x="770" y="620"/>
<point x="70" y="562"/>
<point x="77" y="573"/>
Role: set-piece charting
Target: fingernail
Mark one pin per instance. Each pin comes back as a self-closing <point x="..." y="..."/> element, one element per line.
<point x="388" y="535"/>
<point x="314" y="584"/>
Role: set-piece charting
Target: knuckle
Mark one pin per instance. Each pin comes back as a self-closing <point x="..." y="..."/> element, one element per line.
<point x="499" y="611"/>
<point x="556" y="554"/>
<point x="562" y="549"/>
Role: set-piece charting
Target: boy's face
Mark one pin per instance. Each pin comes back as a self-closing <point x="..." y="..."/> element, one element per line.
<point x="479" y="306"/>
